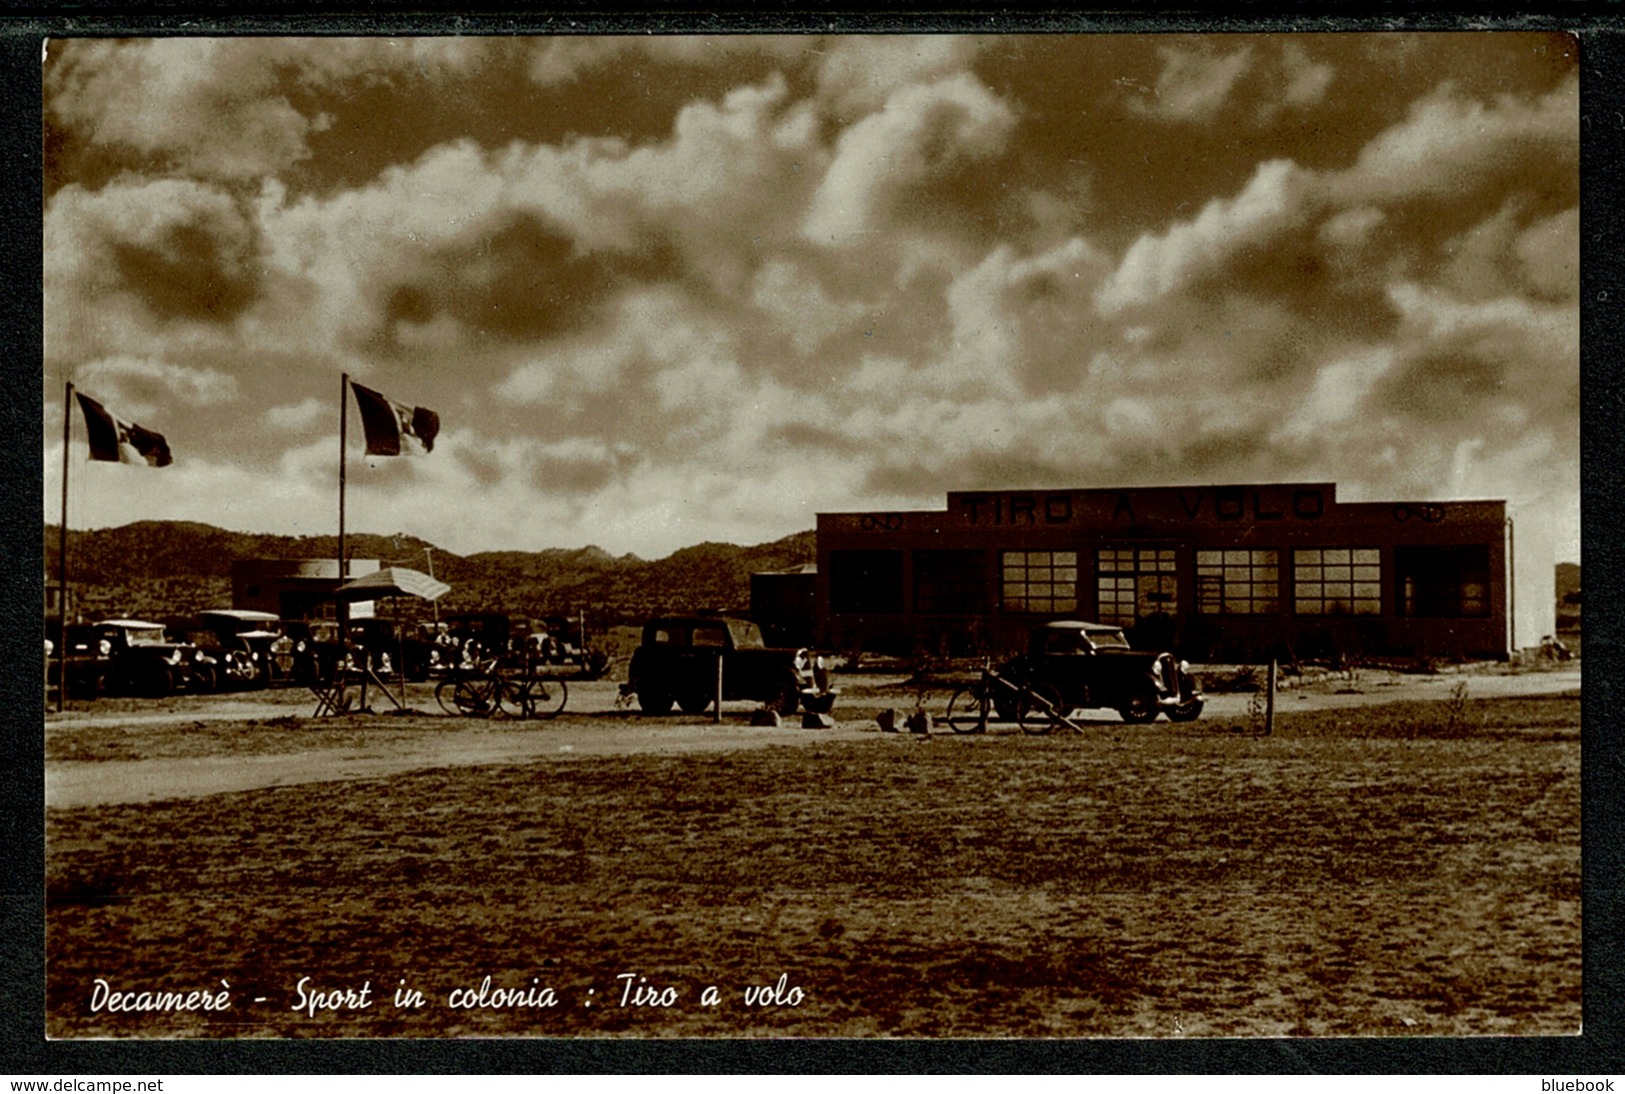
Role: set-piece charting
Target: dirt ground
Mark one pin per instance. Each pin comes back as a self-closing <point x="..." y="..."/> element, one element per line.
<point x="1401" y="856"/>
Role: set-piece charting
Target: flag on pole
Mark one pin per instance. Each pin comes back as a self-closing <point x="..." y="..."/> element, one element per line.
<point x="117" y="441"/>
<point x="387" y="422"/>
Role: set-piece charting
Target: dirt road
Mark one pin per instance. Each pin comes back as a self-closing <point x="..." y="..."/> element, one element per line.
<point x="289" y="748"/>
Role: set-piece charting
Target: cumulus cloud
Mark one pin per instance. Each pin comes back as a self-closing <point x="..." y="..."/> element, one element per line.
<point x="857" y="75"/>
<point x="1306" y="79"/>
<point x="1195" y="83"/>
<point x="1279" y="196"/>
<point x="1027" y="320"/>
<point x="142" y="385"/>
<point x="297" y="417"/>
<point x="790" y="275"/>
<point x="1450" y="142"/>
<point x="224" y="108"/>
<point x="1548" y="252"/>
<point x="922" y="133"/>
<point x="141" y="254"/>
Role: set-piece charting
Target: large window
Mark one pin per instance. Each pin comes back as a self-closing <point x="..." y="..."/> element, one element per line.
<point x="950" y="582"/>
<point x="1135" y="582"/>
<point x="1443" y="581"/>
<point x="1337" y="581"/>
<point x="866" y="582"/>
<point x="1040" y="581"/>
<point x="1244" y="582"/>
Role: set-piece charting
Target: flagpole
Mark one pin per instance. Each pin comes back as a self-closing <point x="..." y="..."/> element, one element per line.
<point x="344" y="422"/>
<point x="344" y="563"/>
<point x="62" y="556"/>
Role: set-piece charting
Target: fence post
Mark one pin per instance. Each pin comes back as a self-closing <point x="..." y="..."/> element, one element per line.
<point x="1269" y="702"/>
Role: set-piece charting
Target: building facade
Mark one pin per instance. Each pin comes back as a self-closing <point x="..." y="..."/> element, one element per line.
<point x="1243" y="572"/>
<point x="296" y="588"/>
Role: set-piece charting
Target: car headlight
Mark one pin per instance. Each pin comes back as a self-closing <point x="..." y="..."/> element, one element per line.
<point x="104" y="647"/>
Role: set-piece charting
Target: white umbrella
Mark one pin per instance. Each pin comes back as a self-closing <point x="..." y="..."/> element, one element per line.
<point x="393" y="581"/>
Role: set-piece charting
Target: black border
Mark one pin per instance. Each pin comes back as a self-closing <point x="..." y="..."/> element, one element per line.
<point x="23" y="1050"/>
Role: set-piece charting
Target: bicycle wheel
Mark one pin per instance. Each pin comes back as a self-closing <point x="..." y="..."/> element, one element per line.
<point x="444" y="692"/>
<point x="511" y="697"/>
<point x="967" y="711"/>
<point x="1040" y="709"/>
<point x="545" y="698"/>
<point x="468" y="698"/>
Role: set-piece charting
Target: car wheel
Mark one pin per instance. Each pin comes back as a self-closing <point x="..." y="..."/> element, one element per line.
<point x="695" y="703"/>
<point x="1141" y="708"/>
<point x="788" y="698"/>
<point x="654" y="702"/>
<point x="1186" y="712"/>
<point x="156" y="682"/>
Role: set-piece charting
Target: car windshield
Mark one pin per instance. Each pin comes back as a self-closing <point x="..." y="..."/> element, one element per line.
<point x="1108" y="640"/>
<point x="144" y="636"/>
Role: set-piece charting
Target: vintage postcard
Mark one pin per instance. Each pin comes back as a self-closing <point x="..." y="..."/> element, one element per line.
<point x="1062" y="536"/>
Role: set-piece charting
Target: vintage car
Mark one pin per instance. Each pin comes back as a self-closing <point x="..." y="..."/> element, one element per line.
<point x="258" y="635"/>
<point x="133" y="657"/>
<point x="390" y="649"/>
<point x="677" y="662"/>
<point x="87" y="658"/>
<point x="556" y="640"/>
<point x="313" y="650"/>
<point x="234" y="666"/>
<point x="1075" y="665"/>
<point x="484" y="634"/>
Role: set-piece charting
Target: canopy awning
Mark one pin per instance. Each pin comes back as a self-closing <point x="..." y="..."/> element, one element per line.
<point x="393" y="581"/>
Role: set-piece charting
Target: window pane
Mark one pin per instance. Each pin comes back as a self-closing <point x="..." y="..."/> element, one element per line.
<point x="1045" y="581"/>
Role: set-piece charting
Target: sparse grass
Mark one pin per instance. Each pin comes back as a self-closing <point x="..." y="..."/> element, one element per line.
<point x="1363" y="872"/>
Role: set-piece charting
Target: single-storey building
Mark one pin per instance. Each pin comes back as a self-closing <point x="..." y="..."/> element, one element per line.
<point x="1235" y="571"/>
<point x="296" y="588"/>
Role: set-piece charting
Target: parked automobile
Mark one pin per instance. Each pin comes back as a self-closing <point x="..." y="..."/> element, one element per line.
<point x="557" y="640"/>
<point x="390" y="649"/>
<point x="1077" y="665"/>
<point x="259" y="635"/>
<point x="677" y="662"/>
<point x="233" y="668"/>
<point x="483" y="634"/>
<point x="134" y="657"/>
<point x="312" y="650"/>
<point x="88" y="654"/>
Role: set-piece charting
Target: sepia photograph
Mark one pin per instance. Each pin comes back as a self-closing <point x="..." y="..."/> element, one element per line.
<point x="1062" y="537"/>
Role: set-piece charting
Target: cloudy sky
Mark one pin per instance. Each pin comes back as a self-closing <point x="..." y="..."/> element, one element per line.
<point x="667" y="290"/>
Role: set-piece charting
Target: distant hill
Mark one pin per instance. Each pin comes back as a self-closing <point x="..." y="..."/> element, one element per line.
<point x="157" y="568"/>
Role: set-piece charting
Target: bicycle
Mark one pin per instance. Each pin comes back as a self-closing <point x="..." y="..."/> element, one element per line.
<point x="479" y="692"/>
<point x="537" y="696"/>
<point x="1037" y="710"/>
